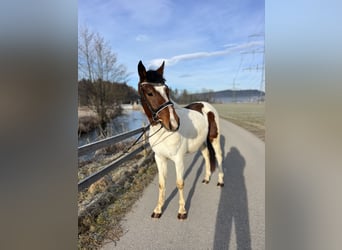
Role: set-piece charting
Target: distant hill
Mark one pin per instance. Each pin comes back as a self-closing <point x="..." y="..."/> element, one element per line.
<point x="248" y="95"/>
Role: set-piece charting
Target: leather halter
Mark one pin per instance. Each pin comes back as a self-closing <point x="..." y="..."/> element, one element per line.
<point x="155" y="112"/>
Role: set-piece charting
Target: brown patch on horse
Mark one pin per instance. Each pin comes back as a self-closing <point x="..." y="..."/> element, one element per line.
<point x="145" y="107"/>
<point x="160" y="70"/>
<point x="212" y="134"/>
<point x="141" y="71"/>
<point x="213" y="131"/>
<point x="195" y="106"/>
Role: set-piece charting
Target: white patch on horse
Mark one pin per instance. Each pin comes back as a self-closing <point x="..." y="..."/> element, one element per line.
<point x="162" y="92"/>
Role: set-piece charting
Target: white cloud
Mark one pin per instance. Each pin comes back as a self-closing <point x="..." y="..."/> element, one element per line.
<point x="141" y="38"/>
<point x="152" y="12"/>
<point x="197" y="55"/>
<point x="229" y="45"/>
<point x="185" y="75"/>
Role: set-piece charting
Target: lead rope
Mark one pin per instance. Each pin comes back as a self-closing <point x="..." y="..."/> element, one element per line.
<point x="137" y="140"/>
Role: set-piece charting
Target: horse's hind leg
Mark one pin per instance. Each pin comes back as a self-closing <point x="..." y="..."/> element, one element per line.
<point x="205" y="153"/>
<point x="162" y="172"/>
<point x="218" y="153"/>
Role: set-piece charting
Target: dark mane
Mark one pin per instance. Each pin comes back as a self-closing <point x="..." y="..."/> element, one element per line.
<point x="153" y="76"/>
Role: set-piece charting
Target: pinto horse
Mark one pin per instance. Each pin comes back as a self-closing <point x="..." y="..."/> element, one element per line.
<point x="175" y="131"/>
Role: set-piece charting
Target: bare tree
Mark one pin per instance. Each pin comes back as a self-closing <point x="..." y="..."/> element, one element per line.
<point x="96" y="59"/>
<point x="98" y="63"/>
<point x="85" y="53"/>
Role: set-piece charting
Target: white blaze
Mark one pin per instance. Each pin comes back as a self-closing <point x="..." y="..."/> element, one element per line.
<point x="162" y="92"/>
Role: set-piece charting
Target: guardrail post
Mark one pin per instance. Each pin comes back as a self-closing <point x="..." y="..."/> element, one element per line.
<point x="145" y="141"/>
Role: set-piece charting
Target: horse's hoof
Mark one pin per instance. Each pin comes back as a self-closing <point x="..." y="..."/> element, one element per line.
<point x="182" y="216"/>
<point x="220" y="184"/>
<point x="156" y="215"/>
<point x="205" y="181"/>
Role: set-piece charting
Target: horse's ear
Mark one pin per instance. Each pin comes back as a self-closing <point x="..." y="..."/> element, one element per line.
<point x="141" y="71"/>
<point x="161" y="69"/>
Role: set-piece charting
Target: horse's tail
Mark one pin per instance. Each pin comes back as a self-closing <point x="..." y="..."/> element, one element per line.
<point x="212" y="133"/>
<point x="212" y="157"/>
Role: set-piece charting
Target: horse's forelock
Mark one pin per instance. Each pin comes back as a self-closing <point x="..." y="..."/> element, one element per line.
<point x="153" y="76"/>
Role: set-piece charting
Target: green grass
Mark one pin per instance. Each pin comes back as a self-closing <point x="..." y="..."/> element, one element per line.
<point x="250" y="116"/>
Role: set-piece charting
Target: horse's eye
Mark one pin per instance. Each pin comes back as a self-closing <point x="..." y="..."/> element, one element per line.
<point x="150" y="94"/>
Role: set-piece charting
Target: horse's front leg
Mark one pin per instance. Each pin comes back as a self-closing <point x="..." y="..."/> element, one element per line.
<point x="182" y="214"/>
<point x="162" y="172"/>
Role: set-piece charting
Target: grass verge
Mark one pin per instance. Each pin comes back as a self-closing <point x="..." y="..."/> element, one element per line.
<point x="250" y="116"/>
<point x="103" y="205"/>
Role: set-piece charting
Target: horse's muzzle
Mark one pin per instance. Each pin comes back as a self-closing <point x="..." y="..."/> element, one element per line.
<point x="174" y="128"/>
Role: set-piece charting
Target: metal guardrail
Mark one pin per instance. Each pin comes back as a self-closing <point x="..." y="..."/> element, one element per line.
<point x="109" y="141"/>
<point x="111" y="166"/>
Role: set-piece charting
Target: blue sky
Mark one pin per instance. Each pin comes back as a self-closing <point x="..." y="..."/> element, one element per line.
<point x="205" y="44"/>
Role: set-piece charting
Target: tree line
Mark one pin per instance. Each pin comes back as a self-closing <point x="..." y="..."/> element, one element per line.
<point x="112" y="94"/>
<point x="185" y="97"/>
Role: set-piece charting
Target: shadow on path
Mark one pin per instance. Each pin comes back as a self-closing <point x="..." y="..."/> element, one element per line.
<point x="233" y="205"/>
<point x="193" y="187"/>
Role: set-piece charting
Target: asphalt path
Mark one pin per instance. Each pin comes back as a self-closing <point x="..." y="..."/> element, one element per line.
<point x="232" y="217"/>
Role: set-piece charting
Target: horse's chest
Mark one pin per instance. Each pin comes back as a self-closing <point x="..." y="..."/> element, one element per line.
<point x="167" y="146"/>
<point x="191" y="135"/>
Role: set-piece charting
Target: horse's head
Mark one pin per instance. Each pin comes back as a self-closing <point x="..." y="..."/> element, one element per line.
<point x="155" y="98"/>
